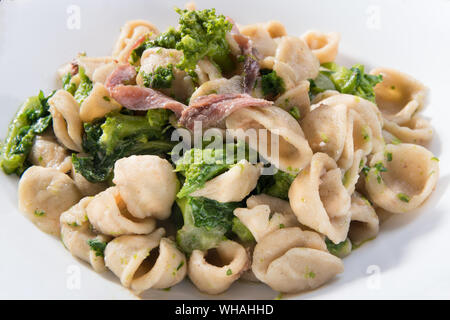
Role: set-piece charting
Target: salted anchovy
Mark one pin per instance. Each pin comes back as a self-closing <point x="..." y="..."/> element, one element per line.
<point x="212" y="109"/>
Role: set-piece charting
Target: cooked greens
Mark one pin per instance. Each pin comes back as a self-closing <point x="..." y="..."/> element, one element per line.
<point x="162" y="77"/>
<point x="33" y="118"/>
<point x="272" y="84"/>
<point x="276" y="185"/>
<point x="84" y="88"/>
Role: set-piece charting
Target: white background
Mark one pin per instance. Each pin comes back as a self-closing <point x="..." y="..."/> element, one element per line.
<point x="412" y="251"/>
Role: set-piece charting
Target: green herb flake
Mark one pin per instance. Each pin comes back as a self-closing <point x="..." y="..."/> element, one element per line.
<point x="106" y="98"/>
<point x="229" y="272"/>
<point x="180" y="265"/>
<point x="403" y="197"/>
<point x="39" y="213"/>
<point x="97" y="246"/>
<point x="389" y="156"/>
<point x="435" y="159"/>
<point x="295" y="112"/>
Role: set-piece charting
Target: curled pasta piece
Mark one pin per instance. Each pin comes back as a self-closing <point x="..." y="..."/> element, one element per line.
<point x="365" y="223"/>
<point x="147" y="185"/>
<point x="351" y="176"/>
<point x="417" y="130"/>
<point x="131" y="34"/>
<point x="98" y="104"/>
<point x="278" y="127"/>
<point x="265" y="214"/>
<point x="102" y="72"/>
<point x="293" y="53"/>
<point x="291" y="260"/>
<point x="320" y="200"/>
<point x="261" y="39"/>
<point x="76" y="234"/>
<point x="144" y="262"/>
<point x="402" y="177"/>
<point x="219" y="86"/>
<point x="324" y="45"/>
<point x="47" y="152"/>
<point x="86" y="188"/>
<point x="296" y="97"/>
<point x="366" y="114"/>
<point x="182" y="86"/>
<point x="399" y="95"/>
<point x="109" y="215"/>
<point x="224" y="188"/>
<point x="92" y="64"/>
<point x="214" y="271"/>
<point x="207" y="71"/>
<point x="66" y="120"/>
<point x="45" y="193"/>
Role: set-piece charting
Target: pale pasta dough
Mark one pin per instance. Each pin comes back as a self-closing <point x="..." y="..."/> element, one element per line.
<point x="409" y="178"/>
<point x="216" y="276"/>
<point x="365" y="222"/>
<point x="108" y="214"/>
<point x="92" y="64"/>
<point x="219" y="86"/>
<point x="66" y="120"/>
<point x="147" y="185"/>
<point x="324" y="45"/>
<point x="279" y="127"/>
<point x="45" y="193"/>
<point x="291" y="260"/>
<point x="98" y="104"/>
<point x="319" y="199"/>
<point x="399" y="95"/>
<point x="416" y="130"/>
<point x="85" y="187"/>
<point x="47" y="152"/>
<point x="296" y="97"/>
<point x="233" y="185"/>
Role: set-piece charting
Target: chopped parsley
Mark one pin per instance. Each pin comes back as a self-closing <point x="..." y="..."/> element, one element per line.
<point x="97" y="246"/>
<point x="403" y="197"/>
<point x="389" y="156"/>
<point x="229" y="272"/>
<point x="39" y="213"/>
<point x="180" y="265"/>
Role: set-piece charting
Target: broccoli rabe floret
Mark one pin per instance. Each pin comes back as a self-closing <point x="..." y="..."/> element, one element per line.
<point x="67" y="83"/>
<point x="84" y="88"/>
<point x="272" y="84"/>
<point x="200" y="165"/>
<point x="242" y="232"/>
<point x="161" y="78"/>
<point x="32" y="119"/>
<point x="341" y="249"/>
<point x="118" y="136"/>
<point x="276" y="185"/>
<point x="205" y="223"/>
<point x="350" y="81"/>
<point x="320" y="84"/>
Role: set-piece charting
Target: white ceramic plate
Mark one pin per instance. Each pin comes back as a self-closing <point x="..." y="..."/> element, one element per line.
<point x="409" y="259"/>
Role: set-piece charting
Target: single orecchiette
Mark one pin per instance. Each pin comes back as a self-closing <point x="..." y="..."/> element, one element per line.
<point x="402" y="177"/>
<point x="214" y="271"/>
<point x="219" y="86"/>
<point x="320" y="200"/>
<point x="291" y="260"/>
<point x="324" y="45"/>
<point x="66" y="120"/>
<point x="265" y="214"/>
<point x="296" y="97"/>
<point x="98" y="104"/>
<point x="261" y="39"/>
<point x="147" y="185"/>
<point x="102" y="72"/>
<point x="47" y="152"/>
<point x="86" y="188"/>
<point x="147" y="261"/>
<point x="108" y="214"/>
<point x="292" y="153"/>
<point x="365" y="224"/>
<point x="233" y="185"/>
<point x="76" y="232"/>
<point x="91" y="64"/>
<point x="130" y="34"/>
<point x="399" y="95"/>
<point x="45" y="193"/>
<point x="416" y="130"/>
<point x="207" y="71"/>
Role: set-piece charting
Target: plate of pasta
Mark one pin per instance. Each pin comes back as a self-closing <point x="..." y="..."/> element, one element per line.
<point x="224" y="154"/>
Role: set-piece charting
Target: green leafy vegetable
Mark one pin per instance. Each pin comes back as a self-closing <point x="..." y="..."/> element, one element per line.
<point x="119" y="136"/>
<point x="272" y="84"/>
<point x="205" y="223"/>
<point x="242" y="232"/>
<point x="84" y="88"/>
<point x="278" y="185"/>
<point x="67" y="84"/>
<point x="97" y="246"/>
<point x="33" y="118"/>
<point x="295" y="112"/>
<point x="161" y="78"/>
<point x="341" y="249"/>
<point x="320" y="84"/>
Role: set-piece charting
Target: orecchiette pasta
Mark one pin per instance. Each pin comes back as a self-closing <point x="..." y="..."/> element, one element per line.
<point x="108" y="214"/>
<point x="398" y="96"/>
<point x="416" y="130"/>
<point x="144" y="196"/>
<point x="45" y="193"/>
<point x="294" y="152"/>
<point x="402" y="177"/>
<point x="233" y="185"/>
<point x="98" y="104"/>
<point x="324" y="45"/>
<point x="215" y="274"/>
<point x="219" y="86"/>
<point x="296" y="98"/>
<point x="76" y="233"/>
<point x="47" y="152"/>
<point x="292" y="260"/>
<point x="132" y="32"/>
<point x="365" y="223"/>
<point x="261" y="38"/>
<point x="320" y="200"/>
<point x="92" y="64"/>
<point x="66" y="120"/>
